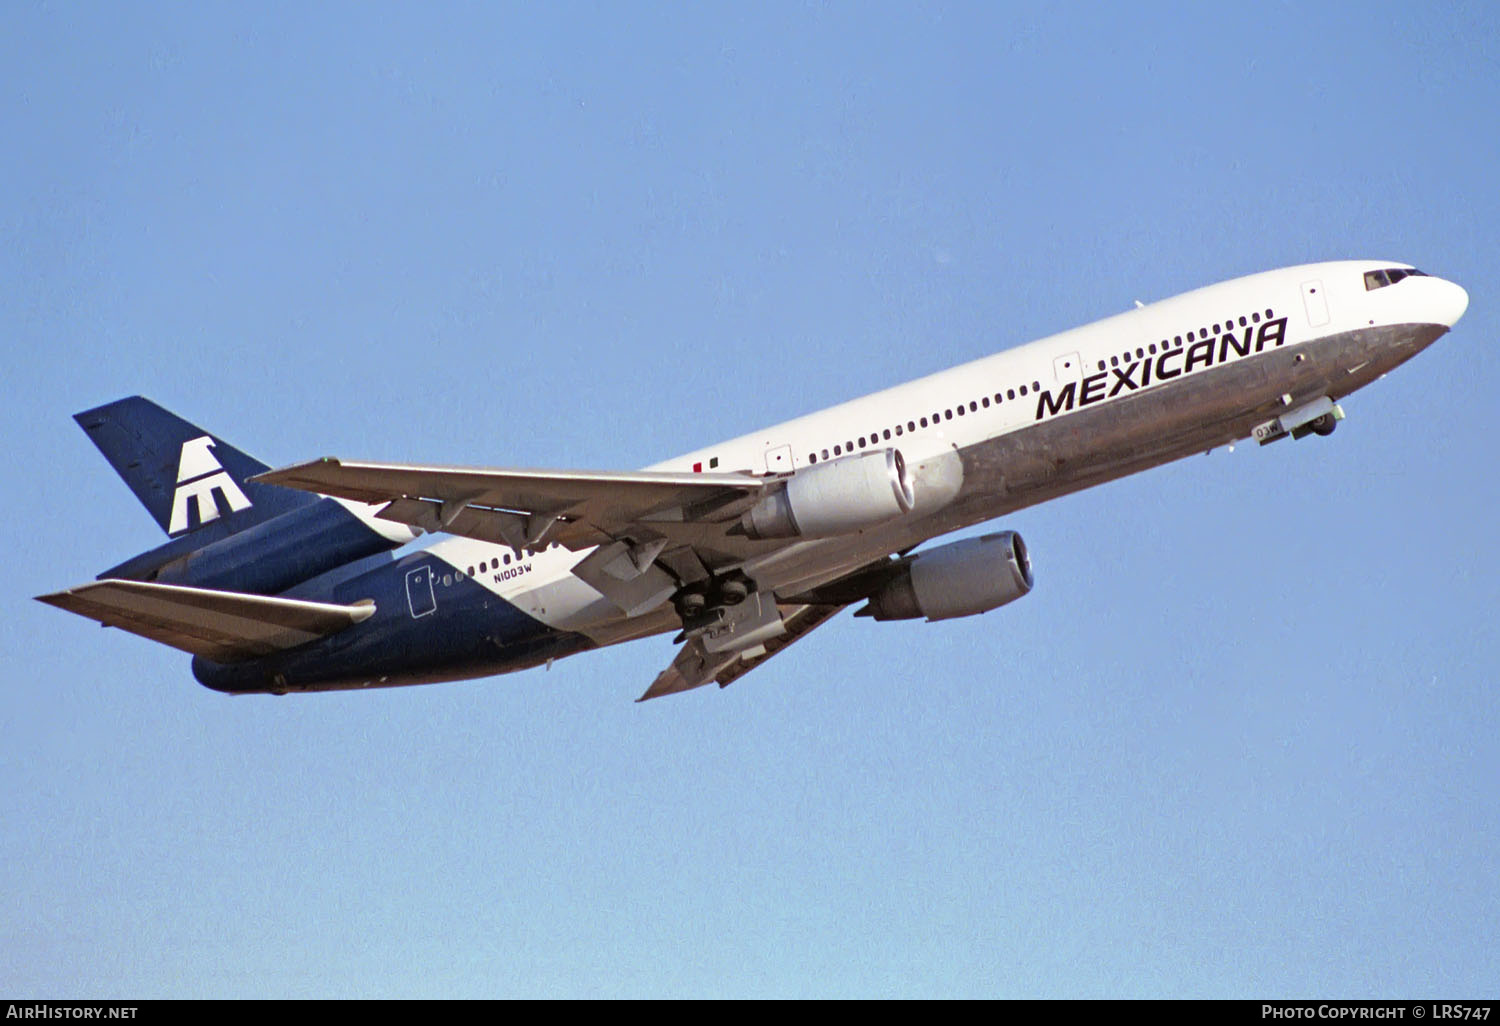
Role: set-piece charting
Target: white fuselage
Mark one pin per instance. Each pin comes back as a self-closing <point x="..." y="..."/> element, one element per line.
<point x="1067" y="411"/>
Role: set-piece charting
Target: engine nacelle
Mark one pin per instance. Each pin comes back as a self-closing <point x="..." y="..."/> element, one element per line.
<point x="962" y="578"/>
<point x="834" y="498"/>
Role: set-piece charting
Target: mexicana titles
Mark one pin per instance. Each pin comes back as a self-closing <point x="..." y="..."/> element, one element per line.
<point x="1174" y="360"/>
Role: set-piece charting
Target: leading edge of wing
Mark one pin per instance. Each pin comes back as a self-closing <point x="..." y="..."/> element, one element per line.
<point x="380" y="482"/>
<point x="225" y="626"/>
<point x="602" y="498"/>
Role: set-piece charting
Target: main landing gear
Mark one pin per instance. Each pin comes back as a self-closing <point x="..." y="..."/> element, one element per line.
<point x="697" y="599"/>
<point x="728" y="615"/>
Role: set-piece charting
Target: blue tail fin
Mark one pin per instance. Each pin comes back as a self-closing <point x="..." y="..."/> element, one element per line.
<point x="186" y="478"/>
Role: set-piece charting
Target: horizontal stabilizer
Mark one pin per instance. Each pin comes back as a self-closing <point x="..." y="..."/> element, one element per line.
<point x="224" y="626"/>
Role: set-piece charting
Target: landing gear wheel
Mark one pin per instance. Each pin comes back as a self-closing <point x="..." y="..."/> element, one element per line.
<point x="690" y="603"/>
<point x="734" y="590"/>
<point x="1324" y="425"/>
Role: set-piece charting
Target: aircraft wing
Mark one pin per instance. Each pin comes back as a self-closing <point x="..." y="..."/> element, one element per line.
<point x="531" y="508"/>
<point x="225" y="626"/>
<point x="695" y="666"/>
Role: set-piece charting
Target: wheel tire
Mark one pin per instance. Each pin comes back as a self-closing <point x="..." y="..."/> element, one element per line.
<point x="691" y="603"/>
<point x="1324" y="425"/>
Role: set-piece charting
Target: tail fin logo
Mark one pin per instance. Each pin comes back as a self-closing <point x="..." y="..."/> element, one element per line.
<point x="199" y="475"/>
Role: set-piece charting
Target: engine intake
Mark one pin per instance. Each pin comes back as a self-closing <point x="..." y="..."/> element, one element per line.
<point x="834" y="498"/>
<point x="962" y="578"/>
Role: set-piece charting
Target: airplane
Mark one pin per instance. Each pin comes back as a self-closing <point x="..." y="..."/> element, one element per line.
<point x="294" y="580"/>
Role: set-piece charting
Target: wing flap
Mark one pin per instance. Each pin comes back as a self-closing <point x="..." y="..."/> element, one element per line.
<point x="800" y="621"/>
<point x="224" y="626"/>
<point x="694" y="666"/>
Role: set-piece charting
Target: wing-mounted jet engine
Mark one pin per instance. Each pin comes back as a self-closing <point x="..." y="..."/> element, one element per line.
<point x="727" y="613"/>
<point x="834" y="498"/>
<point x="962" y="578"/>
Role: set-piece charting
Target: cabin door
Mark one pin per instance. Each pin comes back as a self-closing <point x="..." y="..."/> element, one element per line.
<point x="419" y="591"/>
<point x="1316" y="302"/>
<point x="1067" y="367"/>
<point x="779" y="460"/>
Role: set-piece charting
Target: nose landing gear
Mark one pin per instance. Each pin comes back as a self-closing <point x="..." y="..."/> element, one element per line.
<point x="1318" y="417"/>
<point x="1323" y="425"/>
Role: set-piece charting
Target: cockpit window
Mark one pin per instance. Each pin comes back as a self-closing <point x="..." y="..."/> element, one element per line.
<point x="1389" y="276"/>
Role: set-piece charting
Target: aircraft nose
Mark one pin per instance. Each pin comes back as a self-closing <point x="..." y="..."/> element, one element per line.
<point x="1452" y="301"/>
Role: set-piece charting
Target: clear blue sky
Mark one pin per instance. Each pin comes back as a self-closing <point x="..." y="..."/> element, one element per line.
<point x="1240" y="741"/>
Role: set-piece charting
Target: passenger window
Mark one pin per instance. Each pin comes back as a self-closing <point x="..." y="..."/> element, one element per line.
<point x="1023" y="389"/>
<point x="1010" y="393"/>
<point x="837" y="451"/>
<point x="887" y="434"/>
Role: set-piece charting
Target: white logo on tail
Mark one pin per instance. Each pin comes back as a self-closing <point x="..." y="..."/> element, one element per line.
<point x="199" y="475"/>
